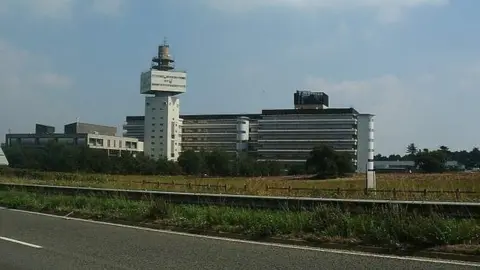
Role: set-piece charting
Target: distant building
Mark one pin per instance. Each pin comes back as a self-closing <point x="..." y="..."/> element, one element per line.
<point x="79" y="134"/>
<point x="407" y="165"/>
<point x="284" y="135"/>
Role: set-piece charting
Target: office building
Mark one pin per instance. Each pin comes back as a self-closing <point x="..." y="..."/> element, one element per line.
<point x="284" y="135"/>
<point x="86" y="135"/>
<point x="162" y="123"/>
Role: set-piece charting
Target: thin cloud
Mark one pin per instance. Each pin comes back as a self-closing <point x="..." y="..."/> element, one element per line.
<point x="62" y="9"/>
<point x="387" y="10"/>
<point x="26" y="96"/>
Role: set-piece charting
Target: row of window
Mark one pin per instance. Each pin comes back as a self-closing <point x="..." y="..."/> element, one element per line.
<point x="171" y="77"/>
<point x="169" y="85"/>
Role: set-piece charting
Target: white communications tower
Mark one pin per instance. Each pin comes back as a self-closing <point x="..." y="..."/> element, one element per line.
<point x="162" y="107"/>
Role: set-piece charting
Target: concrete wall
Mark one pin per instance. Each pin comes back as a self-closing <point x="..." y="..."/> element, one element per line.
<point x="162" y="127"/>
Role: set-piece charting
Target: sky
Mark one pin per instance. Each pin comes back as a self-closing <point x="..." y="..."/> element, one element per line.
<point x="414" y="64"/>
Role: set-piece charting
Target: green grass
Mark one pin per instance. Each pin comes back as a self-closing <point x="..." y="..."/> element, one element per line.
<point x="382" y="227"/>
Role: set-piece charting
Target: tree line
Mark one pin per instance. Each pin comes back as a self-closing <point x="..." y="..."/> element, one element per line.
<point x="323" y="162"/>
<point x="435" y="160"/>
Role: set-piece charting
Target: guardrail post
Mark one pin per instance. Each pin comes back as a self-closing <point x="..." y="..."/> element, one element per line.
<point x="266" y="187"/>
<point x="225" y="186"/>
<point x="457" y="194"/>
<point x="289" y="189"/>
<point x="158" y="184"/>
<point x="425" y="192"/>
<point x="189" y="185"/>
<point x="338" y="191"/>
<point x="394" y="193"/>
<point x="245" y="187"/>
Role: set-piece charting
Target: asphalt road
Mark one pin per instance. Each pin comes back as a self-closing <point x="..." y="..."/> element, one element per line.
<point x="31" y="241"/>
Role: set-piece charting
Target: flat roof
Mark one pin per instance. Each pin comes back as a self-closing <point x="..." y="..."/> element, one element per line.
<point x="218" y="116"/>
<point x="258" y="116"/>
<point x="310" y="111"/>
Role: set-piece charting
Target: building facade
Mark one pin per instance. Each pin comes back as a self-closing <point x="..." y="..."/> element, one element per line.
<point x="162" y="123"/>
<point x="288" y="136"/>
<point x="285" y="135"/>
<point x="226" y="132"/>
<point x="101" y="139"/>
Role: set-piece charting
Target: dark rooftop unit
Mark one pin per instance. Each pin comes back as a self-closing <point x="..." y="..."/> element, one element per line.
<point x="44" y="129"/>
<point x="309" y="99"/>
<point x="84" y="128"/>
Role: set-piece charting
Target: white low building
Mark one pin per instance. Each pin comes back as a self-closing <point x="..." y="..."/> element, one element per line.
<point x="3" y="158"/>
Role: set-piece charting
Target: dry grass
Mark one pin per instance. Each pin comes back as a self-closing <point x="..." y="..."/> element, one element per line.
<point x="284" y="186"/>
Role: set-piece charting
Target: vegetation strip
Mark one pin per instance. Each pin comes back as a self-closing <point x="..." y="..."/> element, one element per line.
<point x="430" y="187"/>
<point x="395" y="230"/>
<point x="446" y="209"/>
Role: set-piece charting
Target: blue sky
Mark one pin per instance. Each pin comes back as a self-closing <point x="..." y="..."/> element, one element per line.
<point x="415" y="64"/>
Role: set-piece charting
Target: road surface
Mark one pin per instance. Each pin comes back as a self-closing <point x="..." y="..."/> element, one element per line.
<point x="33" y="241"/>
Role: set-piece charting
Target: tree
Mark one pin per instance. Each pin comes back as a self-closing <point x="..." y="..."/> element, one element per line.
<point x="190" y="162"/>
<point x="218" y="163"/>
<point x="327" y="163"/>
<point x="431" y="162"/>
<point x="412" y="149"/>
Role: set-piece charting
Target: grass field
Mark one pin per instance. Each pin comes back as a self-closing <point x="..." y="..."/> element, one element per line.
<point x="421" y="186"/>
<point x="383" y="227"/>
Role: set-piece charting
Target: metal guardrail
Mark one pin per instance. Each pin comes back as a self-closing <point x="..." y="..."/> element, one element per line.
<point x="450" y="209"/>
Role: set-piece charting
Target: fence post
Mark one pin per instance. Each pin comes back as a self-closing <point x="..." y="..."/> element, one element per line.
<point x="338" y="191"/>
<point x="225" y="186"/>
<point x="245" y="187"/>
<point x="457" y="194"/>
<point x="189" y="186"/>
<point x="266" y="187"/>
<point x="425" y="192"/>
<point x="158" y="185"/>
<point x="289" y="190"/>
<point x="394" y="193"/>
<point x="365" y="191"/>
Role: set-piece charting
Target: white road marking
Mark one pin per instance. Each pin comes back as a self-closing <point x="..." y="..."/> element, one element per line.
<point x="333" y="251"/>
<point x="19" y="242"/>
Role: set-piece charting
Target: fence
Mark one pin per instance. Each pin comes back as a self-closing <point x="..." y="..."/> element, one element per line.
<point x="314" y="192"/>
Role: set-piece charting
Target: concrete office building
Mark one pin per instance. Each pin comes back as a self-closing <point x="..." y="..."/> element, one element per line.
<point x="226" y="132"/>
<point x="162" y="123"/>
<point x="285" y="135"/>
<point x="82" y="136"/>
